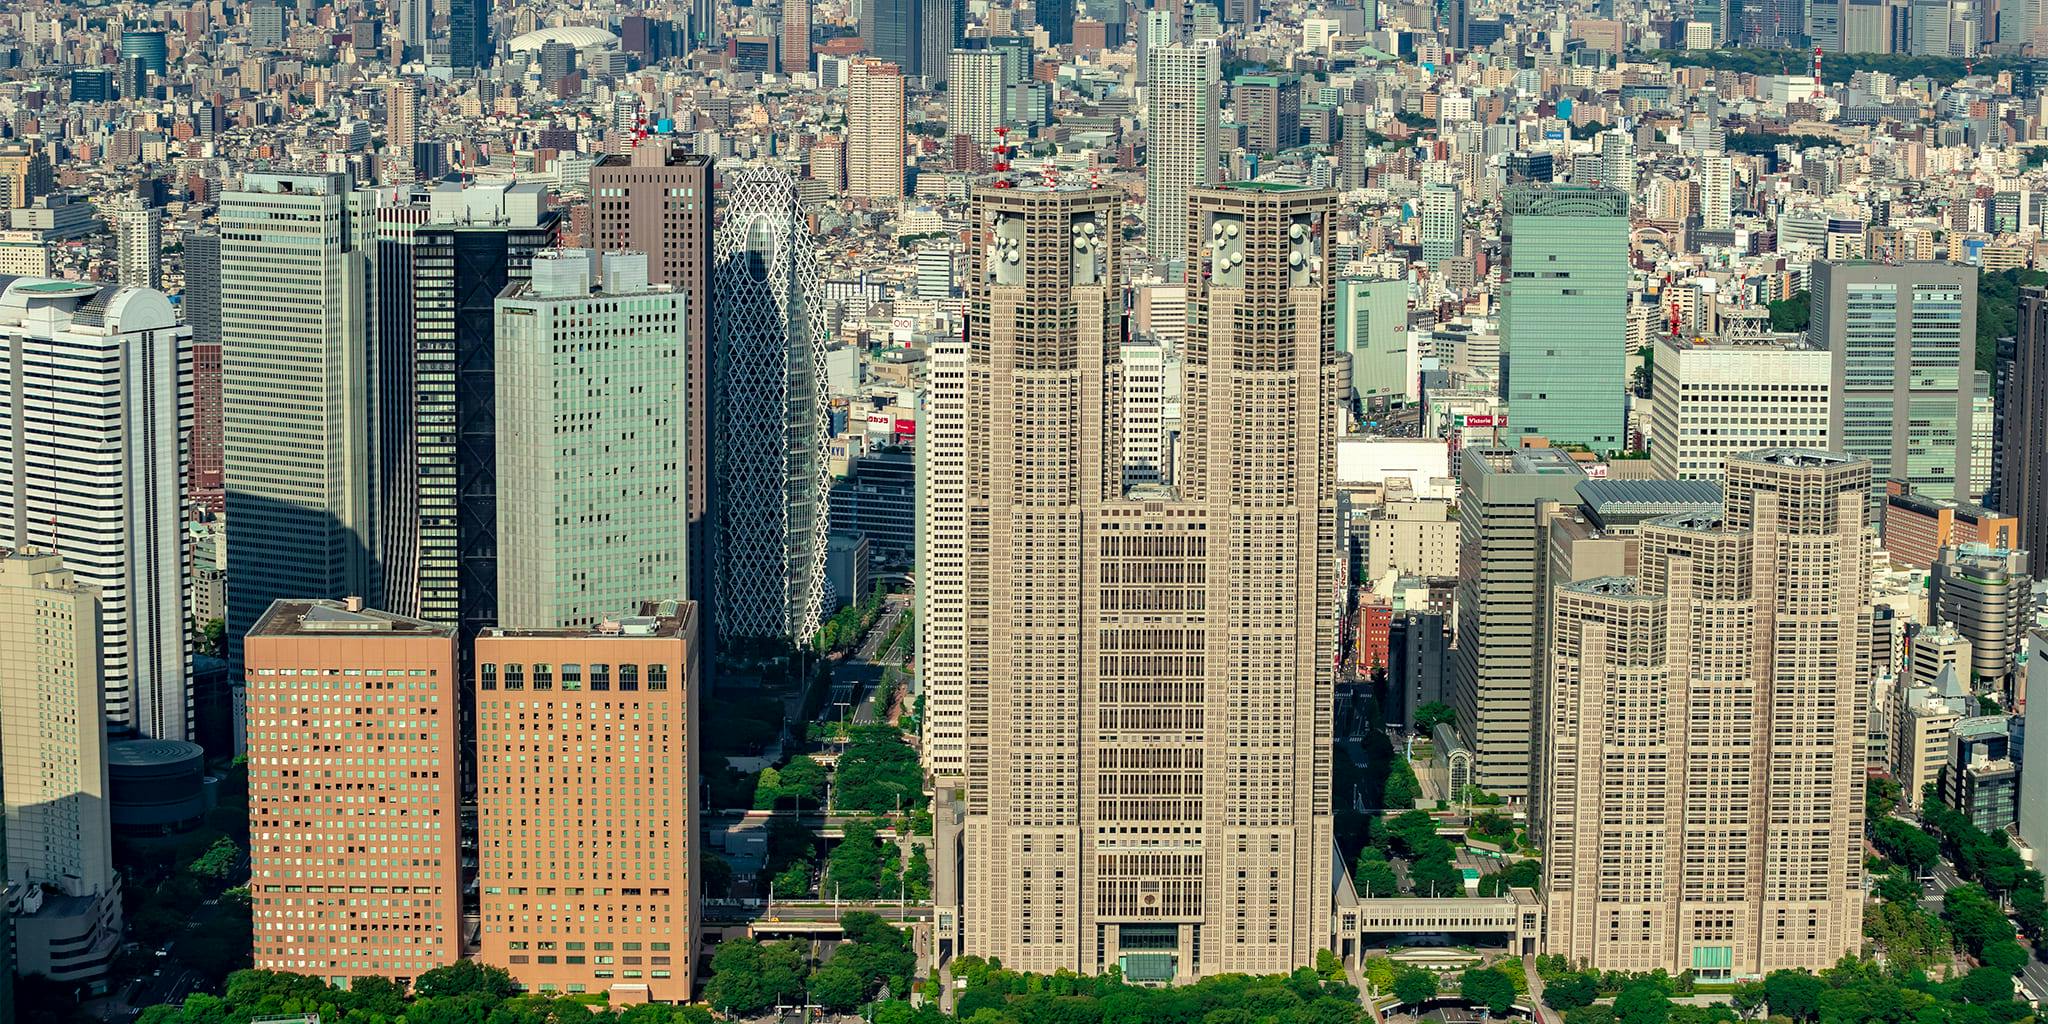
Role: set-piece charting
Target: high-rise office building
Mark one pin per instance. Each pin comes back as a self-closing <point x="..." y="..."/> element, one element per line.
<point x="1183" y="91"/>
<point x="1986" y="594"/>
<point x="53" y="774"/>
<point x="1705" y="728"/>
<point x="1502" y="547"/>
<point x="874" y="131"/>
<point x="200" y="306"/>
<point x="1146" y="446"/>
<point x="2023" y="430"/>
<point x="415" y="23"/>
<point x="705" y="32"/>
<point x="95" y="405"/>
<point x="323" y="829"/>
<point x="891" y="30"/>
<point x="1269" y="108"/>
<point x="592" y="440"/>
<point x="657" y="200"/>
<point x="1721" y="397"/>
<point x="469" y="36"/>
<point x="1903" y="337"/>
<point x="942" y="484"/>
<point x="770" y="412"/>
<point x="796" y="36"/>
<point x="611" y="906"/>
<point x="1148" y="708"/>
<point x="1056" y="17"/>
<point x="1564" y="314"/>
<point x="443" y="256"/>
<point x="1443" y="224"/>
<point x="138" y="242"/>
<point x="296" y="401"/>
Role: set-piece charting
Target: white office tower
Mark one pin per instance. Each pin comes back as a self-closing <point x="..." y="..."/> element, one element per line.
<point x="769" y="411"/>
<point x="1722" y="397"/>
<point x="1717" y="191"/>
<point x="1147" y="456"/>
<point x="942" y="478"/>
<point x="60" y="880"/>
<point x="95" y="406"/>
<point x="1183" y="90"/>
<point x="139" y="243"/>
<point x="975" y="85"/>
<point x="296" y="392"/>
<point x="1618" y="161"/>
<point x="1443" y="224"/>
<point x="874" y="131"/>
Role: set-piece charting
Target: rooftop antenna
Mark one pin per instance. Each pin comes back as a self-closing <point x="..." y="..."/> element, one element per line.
<point x="1816" y="67"/>
<point x="1002" y="158"/>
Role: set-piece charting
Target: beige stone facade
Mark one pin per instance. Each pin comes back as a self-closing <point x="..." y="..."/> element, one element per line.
<point x="1149" y="679"/>
<point x="1706" y="722"/>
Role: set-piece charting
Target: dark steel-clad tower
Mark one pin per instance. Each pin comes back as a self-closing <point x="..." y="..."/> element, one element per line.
<point x="469" y="34"/>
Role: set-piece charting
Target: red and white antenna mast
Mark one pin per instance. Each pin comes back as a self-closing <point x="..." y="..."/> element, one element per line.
<point x="1816" y="67"/>
<point x="1002" y="158"/>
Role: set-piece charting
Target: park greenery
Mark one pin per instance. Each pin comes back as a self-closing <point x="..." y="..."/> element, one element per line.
<point x="799" y="781"/>
<point x="1791" y="314"/>
<point x="844" y="630"/>
<point x="878" y="773"/>
<point x="1998" y="309"/>
<point x="463" y="993"/>
<point x="186" y="891"/>
<point x="748" y="976"/>
<point x="997" y="996"/>
<point x="1410" y="838"/>
<point x="1754" y="143"/>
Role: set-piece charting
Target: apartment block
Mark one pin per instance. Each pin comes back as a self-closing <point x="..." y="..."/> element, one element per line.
<point x="586" y="813"/>
<point x="354" y="862"/>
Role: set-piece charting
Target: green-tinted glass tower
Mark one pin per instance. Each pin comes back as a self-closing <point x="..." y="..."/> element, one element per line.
<point x="1564" y="314"/>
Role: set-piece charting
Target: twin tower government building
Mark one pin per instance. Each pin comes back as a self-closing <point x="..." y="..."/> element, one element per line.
<point x="1129" y="687"/>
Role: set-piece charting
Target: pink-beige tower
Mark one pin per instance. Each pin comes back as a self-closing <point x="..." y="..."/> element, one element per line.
<point x="353" y="842"/>
<point x="1700" y="797"/>
<point x="586" y="822"/>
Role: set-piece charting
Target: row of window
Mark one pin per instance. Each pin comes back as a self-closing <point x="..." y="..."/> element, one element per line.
<point x="570" y="676"/>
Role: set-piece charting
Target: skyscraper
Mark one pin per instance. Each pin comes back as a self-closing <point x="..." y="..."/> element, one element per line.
<point x="1501" y="552"/>
<point x="770" y="412"/>
<point x="657" y="200"/>
<point x="1618" y="161"/>
<point x="796" y="36"/>
<point x="139" y="242"/>
<point x="1564" y="313"/>
<point x="1443" y="224"/>
<point x="1706" y="726"/>
<point x="593" y="424"/>
<point x="874" y="131"/>
<point x="1986" y="594"/>
<point x="1183" y="91"/>
<point x="200" y="306"/>
<point x="942" y="565"/>
<point x="383" y="689"/>
<point x="296" y="396"/>
<point x="1056" y="17"/>
<point x="893" y="32"/>
<point x="2023" y="411"/>
<point x="402" y="119"/>
<point x="1372" y="332"/>
<point x="705" y="32"/>
<point x="443" y="256"/>
<point x="53" y="773"/>
<point x="1148" y="723"/>
<point x="469" y="36"/>
<point x="95" y="405"/>
<point x="617" y="705"/>
<point x="1903" y="338"/>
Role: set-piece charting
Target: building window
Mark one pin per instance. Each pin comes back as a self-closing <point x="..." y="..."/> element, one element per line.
<point x="600" y="676"/>
<point x="629" y="678"/>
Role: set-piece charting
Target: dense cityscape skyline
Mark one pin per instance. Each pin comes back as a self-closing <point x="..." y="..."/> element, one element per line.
<point x="1023" y="511"/>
